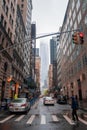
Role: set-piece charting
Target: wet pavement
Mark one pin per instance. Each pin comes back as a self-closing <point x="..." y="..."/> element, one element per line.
<point x="83" y="105"/>
<point x="43" y="117"/>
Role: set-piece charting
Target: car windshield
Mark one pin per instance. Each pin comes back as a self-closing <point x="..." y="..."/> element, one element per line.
<point x="18" y="100"/>
<point x="49" y="98"/>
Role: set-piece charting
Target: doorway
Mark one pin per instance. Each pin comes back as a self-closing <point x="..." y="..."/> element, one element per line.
<point x="79" y="89"/>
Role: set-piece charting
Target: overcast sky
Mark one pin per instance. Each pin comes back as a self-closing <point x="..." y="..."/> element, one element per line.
<point x="48" y="15"/>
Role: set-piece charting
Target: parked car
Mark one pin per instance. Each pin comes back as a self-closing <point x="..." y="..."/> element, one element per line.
<point x="61" y="99"/>
<point x="19" y="105"/>
<point x="48" y="101"/>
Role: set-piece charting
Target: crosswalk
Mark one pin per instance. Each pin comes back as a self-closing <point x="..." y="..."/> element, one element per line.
<point x="43" y="119"/>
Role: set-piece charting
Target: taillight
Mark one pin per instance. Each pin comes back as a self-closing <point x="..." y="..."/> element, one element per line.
<point x="23" y="105"/>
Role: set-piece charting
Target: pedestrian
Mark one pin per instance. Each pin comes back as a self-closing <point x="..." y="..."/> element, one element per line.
<point x="74" y="106"/>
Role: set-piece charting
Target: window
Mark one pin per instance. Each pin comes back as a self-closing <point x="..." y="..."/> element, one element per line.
<point x="5" y="25"/>
<point x="3" y="3"/>
<point x="0" y="34"/>
<point x="75" y="25"/>
<point x="78" y="5"/>
<point x="5" y="66"/>
<point x="2" y="19"/>
<point x="84" y="5"/>
<point x="11" y="5"/>
<point x="86" y="20"/>
<point x="73" y="4"/>
<point x="79" y="65"/>
<point x="10" y="35"/>
<point x="7" y="10"/>
<point x="22" y="5"/>
<point x="6" y="44"/>
<point x="8" y="31"/>
<point x="84" y="59"/>
<point x="2" y="40"/>
<point x="79" y="17"/>
<point x="13" y="11"/>
<point x="74" y="15"/>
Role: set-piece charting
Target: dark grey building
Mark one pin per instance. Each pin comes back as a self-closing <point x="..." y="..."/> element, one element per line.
<point x="52" y="50"/>
<point x="53" y="59"/>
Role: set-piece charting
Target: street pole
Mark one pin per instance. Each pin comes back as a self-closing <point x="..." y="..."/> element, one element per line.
<point x="57" y="33"/>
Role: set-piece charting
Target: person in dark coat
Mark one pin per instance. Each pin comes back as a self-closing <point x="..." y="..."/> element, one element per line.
<point x="74" y="106"/>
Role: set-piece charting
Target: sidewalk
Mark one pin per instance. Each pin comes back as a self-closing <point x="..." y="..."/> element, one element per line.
<point x="83" y="105"/>
<point x="2" y="111"/>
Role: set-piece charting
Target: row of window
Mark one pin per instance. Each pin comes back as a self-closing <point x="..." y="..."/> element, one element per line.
<point x="71" y="17"/>
<point x="4" y="23"/>
<point x="17" y="75"/>
<point x="4" y="42"/>
<point x="77" y="67"/>
<point x="8" y="8"/>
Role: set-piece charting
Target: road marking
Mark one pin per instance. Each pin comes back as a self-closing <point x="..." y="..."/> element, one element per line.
<point x="69" y="120"/>
<point x="30" y="119"/>
<point x="43" y="119"/>
<point x="55" y="119"/>
<point x="19" y="118"/>
<point x="83" y="121"/>
<point x="7" y="118"/>
<point x="85" y="116"/>
<point x="35" y="105"/>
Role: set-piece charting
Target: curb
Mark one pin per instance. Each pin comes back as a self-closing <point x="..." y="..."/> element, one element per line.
<point x="84" y="109"/>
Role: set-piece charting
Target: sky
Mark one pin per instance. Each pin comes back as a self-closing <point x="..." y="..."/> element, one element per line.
<point x="48" y="15"/>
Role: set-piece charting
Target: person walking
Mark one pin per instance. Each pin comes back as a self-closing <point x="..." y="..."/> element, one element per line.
<point x="74" y="106"/>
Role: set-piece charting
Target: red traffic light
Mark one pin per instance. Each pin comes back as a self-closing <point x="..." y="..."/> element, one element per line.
<point x="81" y="34"/>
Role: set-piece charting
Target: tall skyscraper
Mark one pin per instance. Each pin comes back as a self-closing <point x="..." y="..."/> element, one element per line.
<point x="53" y="58"/>
<point x="26" y="10"/>
<point x="44" y="61"/>
<point x="53" y="48"/>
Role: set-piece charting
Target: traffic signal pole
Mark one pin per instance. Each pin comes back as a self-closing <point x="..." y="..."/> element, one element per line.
<point x="57" y="33"/>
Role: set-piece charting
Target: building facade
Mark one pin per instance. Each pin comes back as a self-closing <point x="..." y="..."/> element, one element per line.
<point x="59" y="52"/>
<point x="53" y="59"/>
<point x="26" y="10"/>
<point x="7" y="32"/>
<point x="50" y="77"/>
<point x="37" y="70"/>
<point x="18" y="64"/>
<point x="44" y="63"/>
<point x="74" y="57"/>
<point x="14" y="51"/>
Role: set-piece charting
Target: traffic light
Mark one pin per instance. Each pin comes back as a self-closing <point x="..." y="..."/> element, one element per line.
<point x="81" y="37"/>
<point x="75" y="38"/>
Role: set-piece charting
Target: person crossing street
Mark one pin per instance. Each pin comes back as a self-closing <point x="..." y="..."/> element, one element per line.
<point x="74" y="106"/>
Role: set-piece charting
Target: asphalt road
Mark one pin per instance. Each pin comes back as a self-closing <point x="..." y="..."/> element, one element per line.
<point x="42" y="117"/>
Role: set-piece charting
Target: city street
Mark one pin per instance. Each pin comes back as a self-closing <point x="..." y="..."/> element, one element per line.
<point x="42" y="117"/>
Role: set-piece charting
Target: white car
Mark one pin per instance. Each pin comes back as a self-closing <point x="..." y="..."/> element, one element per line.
<point x="48" y="101"/>
<point x="19" y="105"/>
